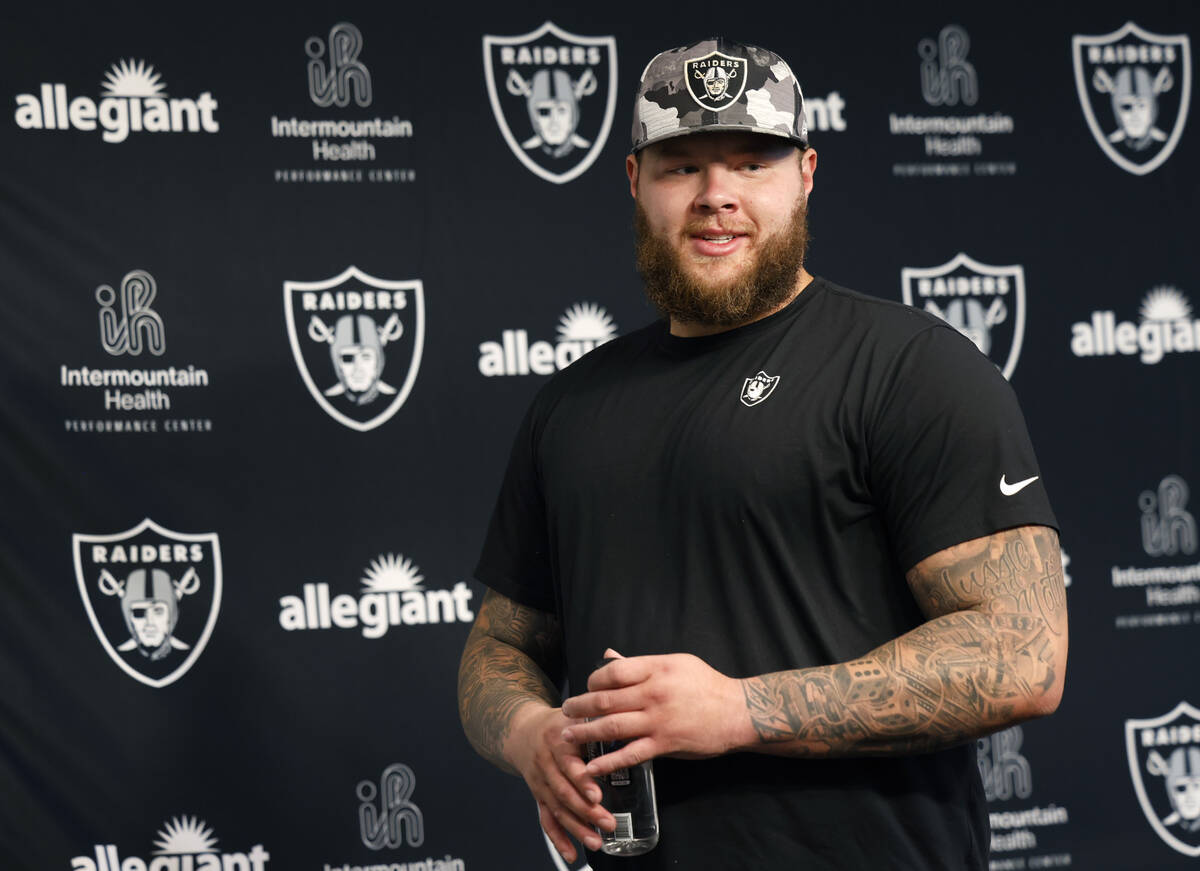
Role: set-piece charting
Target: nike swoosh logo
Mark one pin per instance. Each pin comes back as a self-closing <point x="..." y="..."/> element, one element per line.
<point x="1013" y="489"/>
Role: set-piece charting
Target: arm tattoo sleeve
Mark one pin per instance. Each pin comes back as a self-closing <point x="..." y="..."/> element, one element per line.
<point x="512" y="657"/>
<point x="992" y="653"/>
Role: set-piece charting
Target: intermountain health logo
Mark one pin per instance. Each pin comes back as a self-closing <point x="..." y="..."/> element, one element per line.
<point x="134" y="100"/>
<point x="553" y="94"/>
<point x="388" y="820"/>
<point x="1135" y="87"/>
<point x="392" y="594"/>
<point x="182" y="844"/>
<point x="1164" y="764"/>
<point x="347" y="145"/>
<point x="1166" y="327"/>
<point x="152" y="596"/>
<point x="135" y="399"/>
<point x="984" y="303"/>
<point x="1021" y="820"/>
<point x="1168" y="533"/>
<point x="953" y="141"/>
<point x="357" y="341"/>
<point x="582" y="328"/>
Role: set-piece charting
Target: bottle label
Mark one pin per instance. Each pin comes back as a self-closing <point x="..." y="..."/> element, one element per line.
<point x="624" y="830"/>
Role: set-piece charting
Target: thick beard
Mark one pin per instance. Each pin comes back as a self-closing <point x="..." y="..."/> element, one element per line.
<point x="767" y="285"/>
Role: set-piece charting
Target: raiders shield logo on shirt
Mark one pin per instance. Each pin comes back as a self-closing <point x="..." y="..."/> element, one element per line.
<point x="758" y="388"/>
<point x="152" y="596"/>
<point x="984" y="303"/>
<point x="553" y="94"/>
<point x="357" y="341"/>
<point x="1164" y="763"/>
<point x="1134" y="87"/>
<point x="716" y="80"/>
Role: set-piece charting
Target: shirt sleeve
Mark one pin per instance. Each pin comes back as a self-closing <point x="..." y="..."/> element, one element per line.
<point x="950" y="457"/>
<point x="515" y="558"/>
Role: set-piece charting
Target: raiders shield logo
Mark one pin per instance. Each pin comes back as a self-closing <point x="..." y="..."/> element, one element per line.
<point x="1164" y="762"/>
<point x="1134" y="87"/>
<point x="553" y="94"/>
<point x="716" y="80"/>
<point x="758" y="388"/>
<point x="152" y="596"/>
<point x="984" y="303"/>
<point x="357" y="342"/>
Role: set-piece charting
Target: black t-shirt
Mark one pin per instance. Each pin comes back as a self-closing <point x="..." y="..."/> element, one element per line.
<point x="754" y="498"/>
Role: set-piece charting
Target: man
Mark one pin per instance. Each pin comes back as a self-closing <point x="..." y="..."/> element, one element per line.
<point x="810" y="519"/>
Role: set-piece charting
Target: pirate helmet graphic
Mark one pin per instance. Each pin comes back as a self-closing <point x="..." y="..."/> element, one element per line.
<point x="357" y="355"/>
<point x="716" y="82"/>
<point x="150" y="610"/>
<point x="975" y="322"/>
<point x="1181" y="774"/>
<point x="1135" y="103"/>
<point x="553" y="107"/>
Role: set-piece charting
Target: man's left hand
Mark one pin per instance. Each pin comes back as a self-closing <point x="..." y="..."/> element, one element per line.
<point x="671" y="705"/>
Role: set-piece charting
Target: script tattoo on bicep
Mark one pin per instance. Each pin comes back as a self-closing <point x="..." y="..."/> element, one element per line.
<point x="512" y="656"/>
<point x="992" y="652"/>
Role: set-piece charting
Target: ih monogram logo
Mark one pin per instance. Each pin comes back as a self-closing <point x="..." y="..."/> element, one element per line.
<point x="332" y="80"/>
<point x="395" y="818"/>
<point x="947" y="77"/>
<point x="1168" y="527"/>
<point x="123" y="329"/>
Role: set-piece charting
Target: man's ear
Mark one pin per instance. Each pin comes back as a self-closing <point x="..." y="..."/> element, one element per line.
<point x="631" y="170"/>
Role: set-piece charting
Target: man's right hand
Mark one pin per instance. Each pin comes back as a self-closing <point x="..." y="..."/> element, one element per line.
<point x="568" y="798"/>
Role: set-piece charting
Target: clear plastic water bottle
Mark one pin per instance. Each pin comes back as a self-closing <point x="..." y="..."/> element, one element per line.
<point x="627" y="794"/>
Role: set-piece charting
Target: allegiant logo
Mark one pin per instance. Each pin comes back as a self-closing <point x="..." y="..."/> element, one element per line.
<point x="133" y="100"/>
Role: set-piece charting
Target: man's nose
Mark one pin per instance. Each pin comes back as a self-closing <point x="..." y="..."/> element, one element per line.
<point x="718" y="190"/>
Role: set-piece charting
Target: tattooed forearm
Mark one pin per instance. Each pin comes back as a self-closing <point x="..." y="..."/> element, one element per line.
<point x="512" y="658"/>
<point x="993" y="653"/>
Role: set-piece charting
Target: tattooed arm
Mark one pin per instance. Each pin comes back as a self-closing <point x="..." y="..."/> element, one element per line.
<point x="991" y="654"/>
<point x="512" y="659"/>
<point x="508" y="702"/>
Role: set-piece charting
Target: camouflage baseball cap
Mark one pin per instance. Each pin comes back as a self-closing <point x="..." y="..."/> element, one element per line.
<point x="718" y="85"/>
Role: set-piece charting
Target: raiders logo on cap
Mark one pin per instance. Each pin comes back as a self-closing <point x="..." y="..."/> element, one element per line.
<point x="716" y="80"/>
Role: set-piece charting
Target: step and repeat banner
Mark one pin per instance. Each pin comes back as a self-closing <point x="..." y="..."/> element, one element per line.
<point x="278" y="287"/>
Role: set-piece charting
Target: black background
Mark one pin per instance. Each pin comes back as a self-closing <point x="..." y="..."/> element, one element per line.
<point x="267" y="735"/>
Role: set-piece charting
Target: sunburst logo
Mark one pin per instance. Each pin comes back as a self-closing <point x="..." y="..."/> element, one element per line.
<point x="586" y="322"/>
<point x="392" y="572"/>
<point x="131" y="78"/>
<point x="1165" y="303"/>
<point x="184" y="836"/>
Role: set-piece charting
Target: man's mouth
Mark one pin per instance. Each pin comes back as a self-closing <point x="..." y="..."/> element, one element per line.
<point x="716" y="243"/>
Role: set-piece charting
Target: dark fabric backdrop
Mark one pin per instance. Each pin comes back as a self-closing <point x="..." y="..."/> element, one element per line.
<point x="319" y="551"/>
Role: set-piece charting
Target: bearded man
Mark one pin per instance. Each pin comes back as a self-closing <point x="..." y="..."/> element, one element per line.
<point x="807" y="523"/>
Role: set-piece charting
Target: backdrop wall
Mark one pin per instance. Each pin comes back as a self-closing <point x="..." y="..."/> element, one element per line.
<point x="236" y="554"/>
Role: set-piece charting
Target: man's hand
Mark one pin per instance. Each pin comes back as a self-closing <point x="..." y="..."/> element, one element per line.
<point x="568" y="798"/>
<point x="672" y="705"/>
